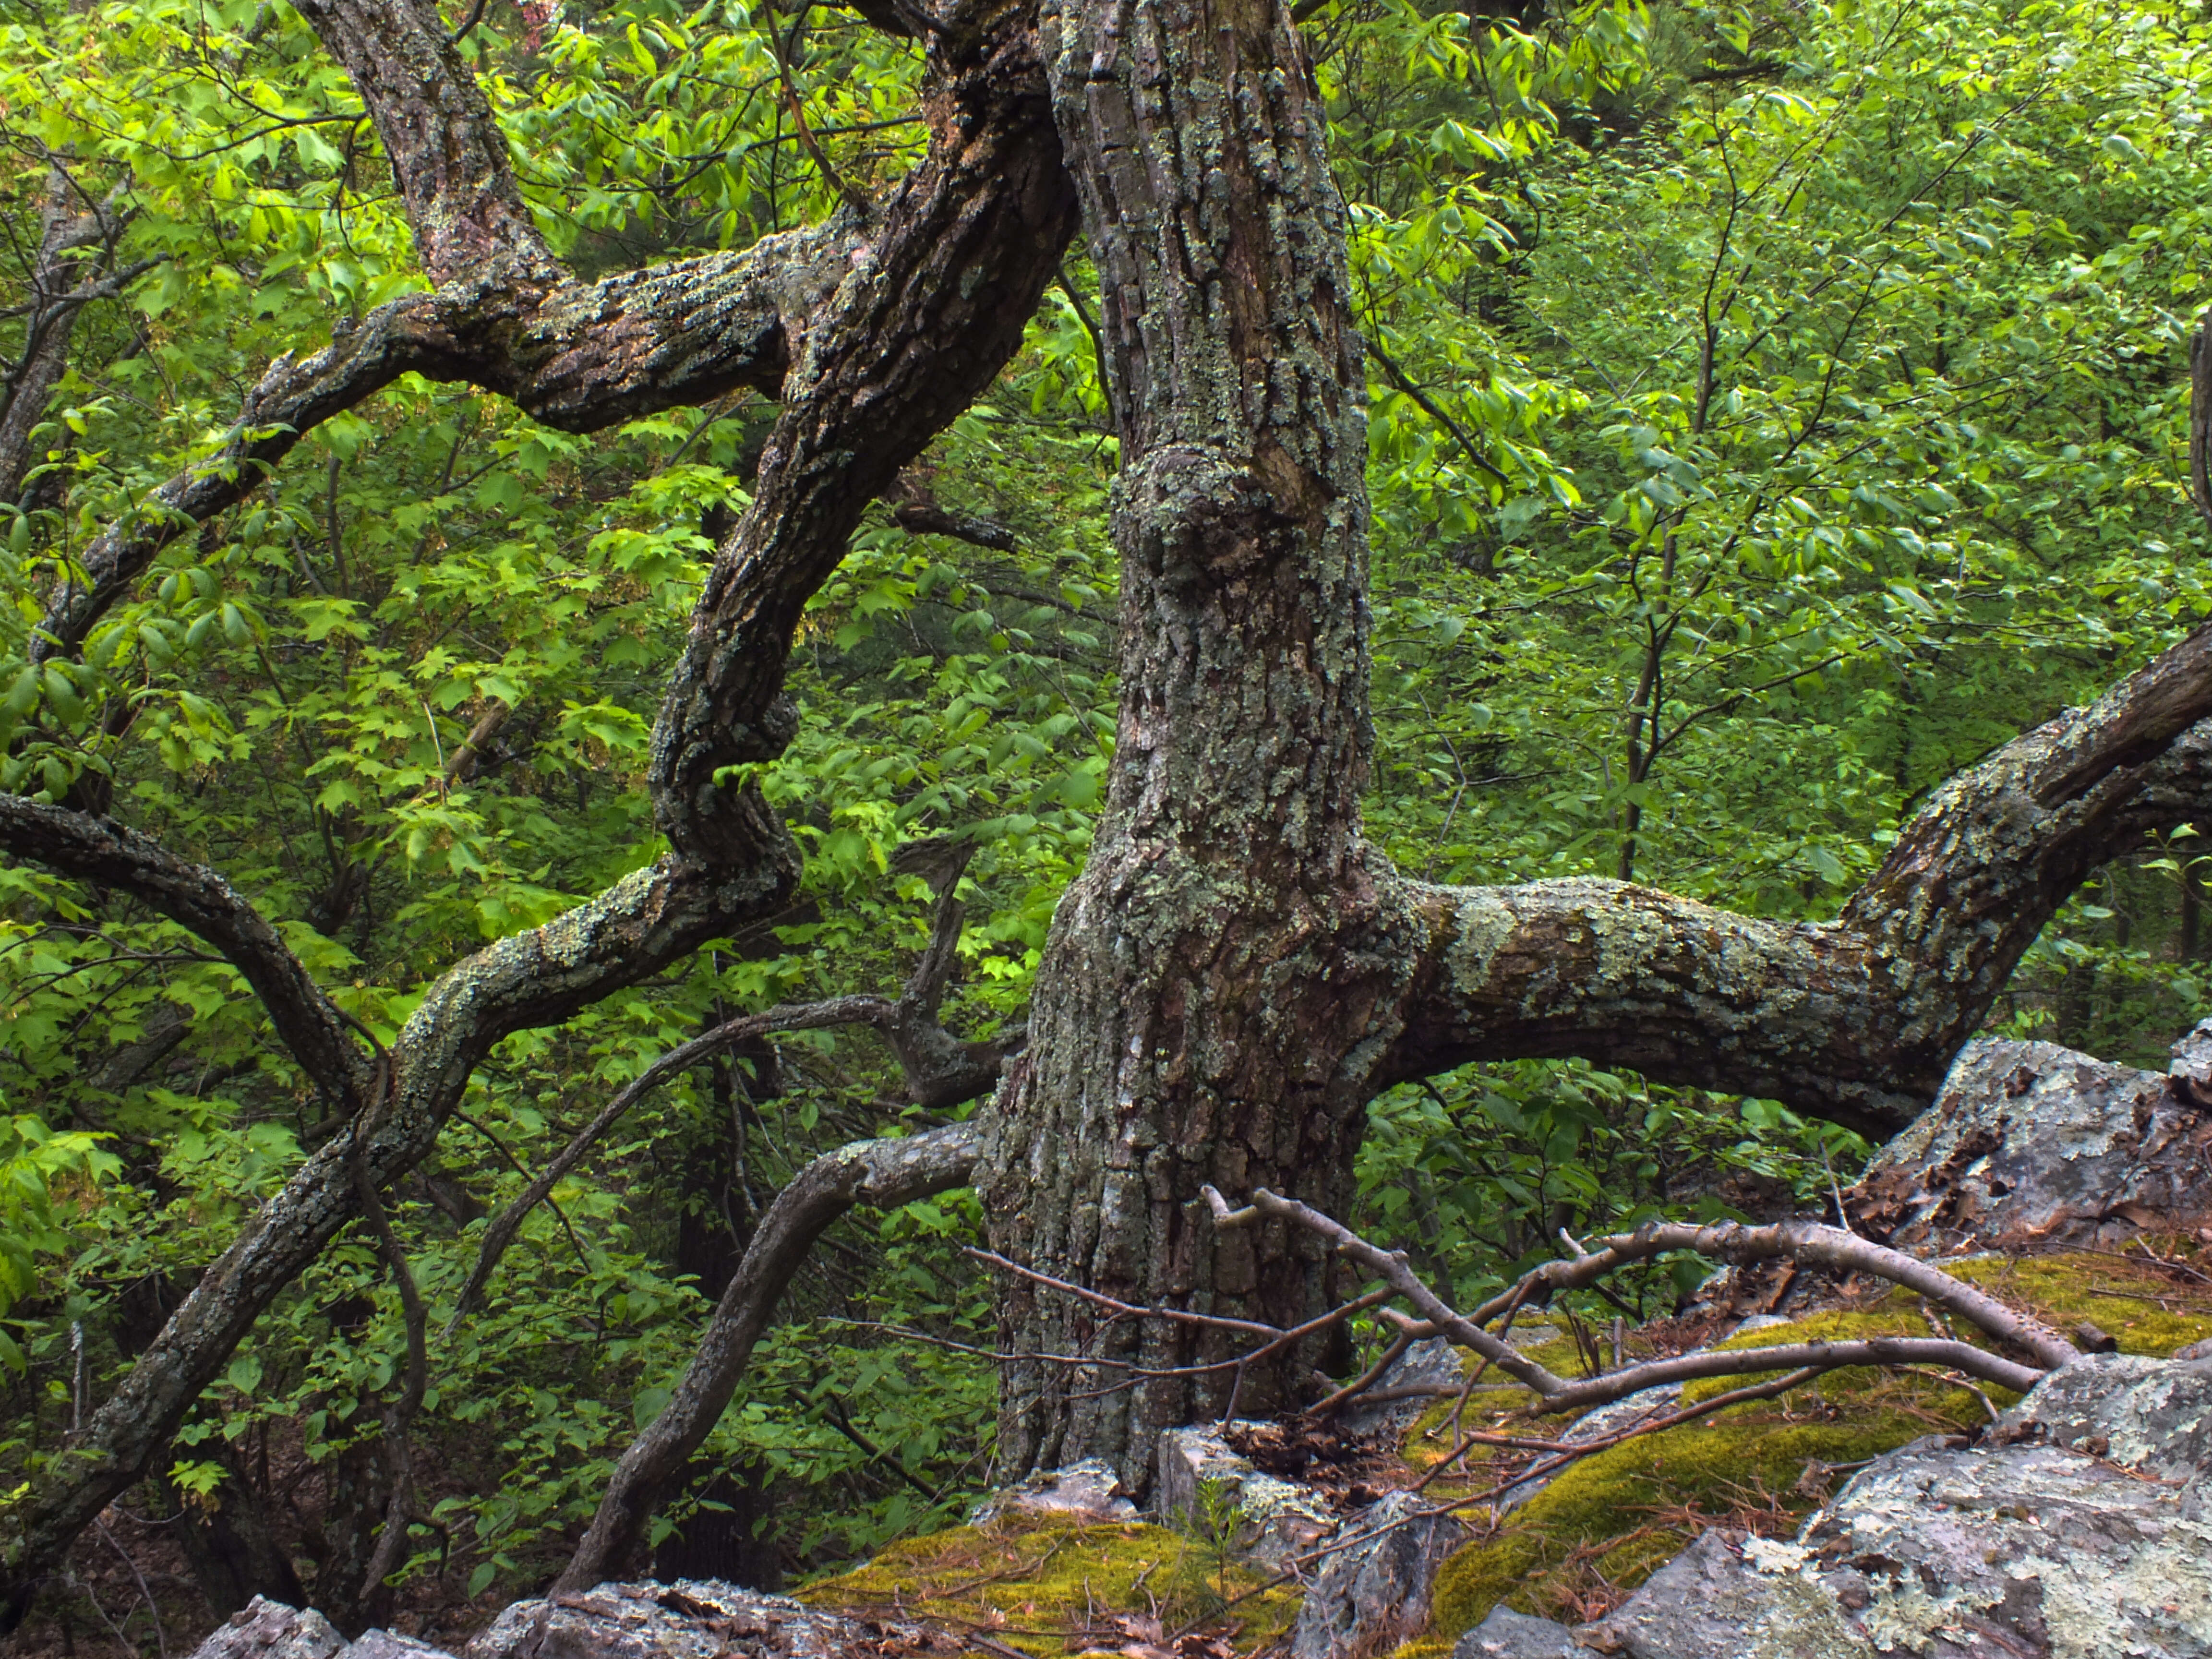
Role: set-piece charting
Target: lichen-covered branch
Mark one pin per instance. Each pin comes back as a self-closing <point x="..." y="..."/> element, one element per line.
<point x="633" y="930"/>
<point x="881" y="1173"/>
<point x="196" y="897"/>
<point x="447" y="153"/>
<point x="1854" y="1020"/>
<point x="60" y="286"/>
<point x="930" y="307"/>
<point x="580" y="355"/>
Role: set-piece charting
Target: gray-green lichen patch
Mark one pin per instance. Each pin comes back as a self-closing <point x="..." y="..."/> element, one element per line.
<point x="2031" y="1141"/>
<point x="1482" y="925"/>
<point x="1932" y="1543"/>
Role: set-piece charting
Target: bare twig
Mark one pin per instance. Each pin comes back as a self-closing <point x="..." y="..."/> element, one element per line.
<point x="399" y="1415"/>
<point x="785" y="1016"/>
<point x="1825" y="1246"/>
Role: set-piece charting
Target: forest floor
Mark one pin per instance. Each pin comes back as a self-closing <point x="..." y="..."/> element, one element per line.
<point x="1036" y="1586"/>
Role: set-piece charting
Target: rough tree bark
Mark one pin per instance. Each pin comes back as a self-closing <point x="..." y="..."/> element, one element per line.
<point x="1211" y="975"/>
<point x="1236" y="972"/>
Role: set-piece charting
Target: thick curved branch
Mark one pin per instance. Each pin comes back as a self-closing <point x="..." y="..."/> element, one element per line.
<point x="581" y="357"/>
<point x="885" y="1174"/>
<point x="1854" y="1020"/>
<point x="447" y="150"/>
<point x="929" y="311"/>
<point x="198" y="898"/>
<point x="290" y="399"/>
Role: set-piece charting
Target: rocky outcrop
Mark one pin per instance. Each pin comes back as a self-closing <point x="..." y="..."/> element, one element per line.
<point x="2033" y="1144"/>
<point x="695" y="1618"/>
<point x="1204" y="1485"/>
<point x="1372" y="1590"/>
<point x="269" y="1629"/>
<point x="2080" y="1528"/>
<point x="1509" y="1635"/>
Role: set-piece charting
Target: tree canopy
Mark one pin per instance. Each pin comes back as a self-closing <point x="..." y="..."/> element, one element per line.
<point x="538" y="533"/>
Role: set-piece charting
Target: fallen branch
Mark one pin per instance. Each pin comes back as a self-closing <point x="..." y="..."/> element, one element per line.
<point x="1808" y="1243"/>
<point x="1827" y="1246"/>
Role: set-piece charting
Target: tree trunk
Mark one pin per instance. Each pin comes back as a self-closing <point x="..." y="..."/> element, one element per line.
<point x="1237" y="972"/>
<point x="1202" y="1013"/>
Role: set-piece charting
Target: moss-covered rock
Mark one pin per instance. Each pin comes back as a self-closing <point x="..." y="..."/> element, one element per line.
<point x="1605" y="1524"/>
<point x="1050" y="1586"/>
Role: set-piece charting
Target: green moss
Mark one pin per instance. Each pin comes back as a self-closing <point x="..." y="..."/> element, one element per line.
<point x="2145" y="1311"/>
<point x="1606" y="1524"/>
<point x="1036" y="1584"/>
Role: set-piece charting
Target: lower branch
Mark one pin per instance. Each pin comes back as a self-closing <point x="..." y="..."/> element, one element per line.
<point x="882" y="1173"/>
<point x="629" y="933"/>
<point x="789" y="1017"/>
<point x="1854" y="1020"/>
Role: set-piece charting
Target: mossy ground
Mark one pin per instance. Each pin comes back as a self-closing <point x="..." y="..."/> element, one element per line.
<point x="1049" y="1587"/>
<point x="1605" y="1524"/>
<point x="1598" y="1530"/>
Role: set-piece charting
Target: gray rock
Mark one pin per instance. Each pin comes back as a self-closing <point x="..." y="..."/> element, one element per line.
<point x="693" y="1619"/>
<point x="2154" y="1415"/>
<point x="2082" y="1528"/>
<point x="1606" y="1419"/>
<point x="1203" y="1482"/>
<point x="2024" y="1549"/>
<point x="1089" y="1491"/>
<point x="2031" y="1141"/>
<point x="1372" y="1590"/>
<point x="391" y="1644"/>
<point x="270" y="1630"/>
<point x="2191" y="1069"/>
<point x="1432" y="1363"/>
<point x="1710" y="1602"/>
<point x="1509" y="1635"/>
